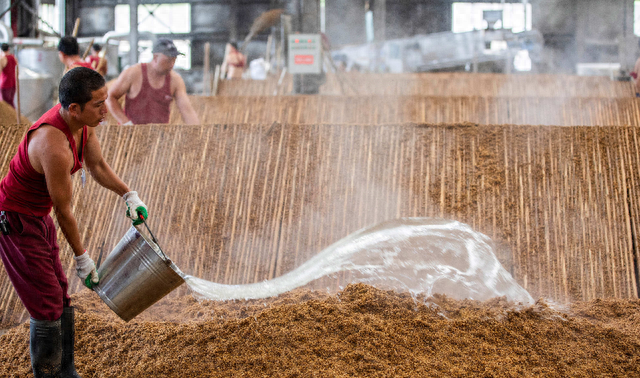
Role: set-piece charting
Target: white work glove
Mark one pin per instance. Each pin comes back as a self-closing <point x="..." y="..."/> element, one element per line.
<point x="84" y="267"/>
<point x="128" y="123"/>
<point x="135" y="207"/>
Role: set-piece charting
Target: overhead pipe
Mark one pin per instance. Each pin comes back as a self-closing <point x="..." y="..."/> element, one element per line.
<point x="6" y="32"/>
<point x="121" y="35"/>
<point x="6" y="35"/>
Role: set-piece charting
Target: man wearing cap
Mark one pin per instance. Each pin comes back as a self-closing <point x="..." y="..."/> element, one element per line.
<point x="150" y="88"/>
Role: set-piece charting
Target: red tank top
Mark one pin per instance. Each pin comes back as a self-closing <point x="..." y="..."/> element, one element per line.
<point x="81" y="64"/>
<point x="24" y="190"/>
<point x="239" y="60"/>
<point x="150" y="105"/>
<point x="91" y="59"/>
<point x="8" y="77"/>
<point x="94" y="61"/>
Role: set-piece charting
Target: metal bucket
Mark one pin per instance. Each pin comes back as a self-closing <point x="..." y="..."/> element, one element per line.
<point x="135" y="275"/>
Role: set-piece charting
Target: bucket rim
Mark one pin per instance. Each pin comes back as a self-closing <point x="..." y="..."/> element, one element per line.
<point x="154" y="246"/>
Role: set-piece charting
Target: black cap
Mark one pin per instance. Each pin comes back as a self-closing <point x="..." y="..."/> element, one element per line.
<point x="165" y="46"/>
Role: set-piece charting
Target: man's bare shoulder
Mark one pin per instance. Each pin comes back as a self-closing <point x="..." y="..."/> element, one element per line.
<point x="48" y="144"/>
<point x="48" y="136"/>
<point x="176" y="81"/>
<point x="130" y="77"/>
<point x="176" y="76"/>
<point x="132" y="72"/>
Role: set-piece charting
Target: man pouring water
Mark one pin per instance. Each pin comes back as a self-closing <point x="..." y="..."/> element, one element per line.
<point x="59" y="144"/>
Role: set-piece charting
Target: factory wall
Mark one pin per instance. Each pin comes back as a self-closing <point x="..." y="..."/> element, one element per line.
<point x="220" y="21"/>
<point x="585" y="31"/>
<point x="345" y="23"/>
<point x="574" y="30"/>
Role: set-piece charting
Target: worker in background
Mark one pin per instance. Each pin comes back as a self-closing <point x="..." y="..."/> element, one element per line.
<point x="234" y="62"/>
<point x="39" y="179"/>
<point x="150" y="88"/>
<point x="94" y="59"/>
<point x="69" y="53"/>
<point x="634" y="75"/>
<point x="8" y="65"/>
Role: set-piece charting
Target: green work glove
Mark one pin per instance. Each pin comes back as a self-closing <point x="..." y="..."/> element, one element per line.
<point x="136" y="209"/>
<point x="86" y="270"/>
<point x="88" y="282"/>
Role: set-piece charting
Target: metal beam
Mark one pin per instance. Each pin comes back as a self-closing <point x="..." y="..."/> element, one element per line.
<point x="380" y="20"/>
<point x="133" y="29"/>
<point x="233" y="23"/>
<point x="112" y="3"/>
<point x="61" y="5"/>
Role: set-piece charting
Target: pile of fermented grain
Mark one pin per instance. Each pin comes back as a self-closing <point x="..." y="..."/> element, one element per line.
<point x="8" y="115"/>
<point x="361" y="332"/>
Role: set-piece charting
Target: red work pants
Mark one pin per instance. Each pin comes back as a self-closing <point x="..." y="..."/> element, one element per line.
<point x="7" y="95"/>
<point x="30" y="255"/>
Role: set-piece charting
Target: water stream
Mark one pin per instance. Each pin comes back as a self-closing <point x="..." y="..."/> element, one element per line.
<point x="418" y="255"/>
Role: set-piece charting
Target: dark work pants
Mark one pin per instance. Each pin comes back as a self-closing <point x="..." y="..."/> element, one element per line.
<point x="8" y="95"/>
<point x="30" y="255"/>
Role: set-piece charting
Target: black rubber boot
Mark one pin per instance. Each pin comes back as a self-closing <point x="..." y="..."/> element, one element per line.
<point x="45" y="345"/>
<point x="68" y="343"/>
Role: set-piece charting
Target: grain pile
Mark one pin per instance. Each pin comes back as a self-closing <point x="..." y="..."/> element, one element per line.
<point x="8" y="115"/>
<point x="361" y="332"/>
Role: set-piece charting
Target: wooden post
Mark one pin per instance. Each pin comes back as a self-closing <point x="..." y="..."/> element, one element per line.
<point x="18" y="94"/>
<point x="216" y="79"/>
<point x="102" y="60"/>
<point x="267" y="55"/>
<point x="278" y="55"/>
<point x="76" y="27"/>
<point x="282" y="74"/>
<point x="206" y="74"/>
<point x="86" y="52"/>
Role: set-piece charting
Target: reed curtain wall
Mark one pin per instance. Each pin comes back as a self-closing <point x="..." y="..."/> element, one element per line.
<point x="441" y="85"/>
<point x="241" y="203"/>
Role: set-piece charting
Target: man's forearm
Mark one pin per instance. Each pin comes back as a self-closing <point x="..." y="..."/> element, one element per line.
<point x="116" y="110"/>
<point x="190" y="117"/>
<point x="69" y="228"/>
<point x="104" y="175"/>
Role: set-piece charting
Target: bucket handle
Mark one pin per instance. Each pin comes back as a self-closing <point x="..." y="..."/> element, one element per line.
<point x="153" y="238"/>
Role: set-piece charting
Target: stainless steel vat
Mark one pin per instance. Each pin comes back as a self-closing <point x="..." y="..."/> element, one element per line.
<point x="43" y="60"/>
<point x="135" y="275"/>
<point x="36" y="93"/>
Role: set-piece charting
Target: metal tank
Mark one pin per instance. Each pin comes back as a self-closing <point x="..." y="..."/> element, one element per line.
<point x="36" y="93"/>
<point x="38" y="69"/>
<point x="113" y="66"/>
<point x="43" y="60"/>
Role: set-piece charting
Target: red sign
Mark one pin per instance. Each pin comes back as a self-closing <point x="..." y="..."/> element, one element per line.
<point x="303" y="59"/>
